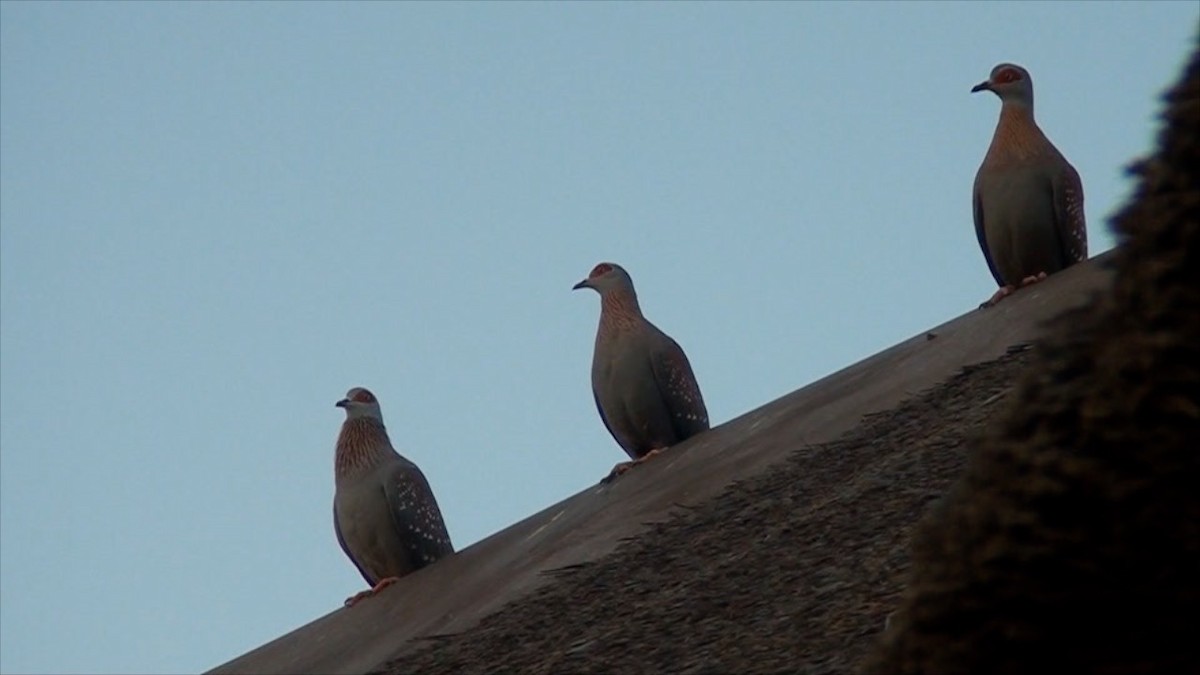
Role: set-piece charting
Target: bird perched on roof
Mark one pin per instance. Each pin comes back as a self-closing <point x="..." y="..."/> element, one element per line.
<point x="1028" y="200"/>
<point x="385" y="516"/>
<point x="642" y="382"/>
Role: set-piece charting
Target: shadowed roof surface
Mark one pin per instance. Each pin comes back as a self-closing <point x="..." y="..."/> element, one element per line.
<point x="813" y="537"/>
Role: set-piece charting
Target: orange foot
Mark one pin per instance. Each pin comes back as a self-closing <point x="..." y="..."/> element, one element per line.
<point x="1033" y="279"/>
<point x="361" y="595"/>
<point x="999" y="295"/>
<point x="626" y="466"/>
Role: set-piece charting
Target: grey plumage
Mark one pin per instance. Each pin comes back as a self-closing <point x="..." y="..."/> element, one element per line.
<point x="385" y="516"/>
<point x="642" y="382"/>
<point x="1027" y="199"/>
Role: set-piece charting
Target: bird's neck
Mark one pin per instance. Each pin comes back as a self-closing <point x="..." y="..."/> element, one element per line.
<point x="619" y="311"/>
<point x="362" y="444"/>
<point x="1017" y="136"/>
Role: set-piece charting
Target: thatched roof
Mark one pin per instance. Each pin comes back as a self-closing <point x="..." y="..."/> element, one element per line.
<point x="603" y="525"/>
<point x="781" y="540"/>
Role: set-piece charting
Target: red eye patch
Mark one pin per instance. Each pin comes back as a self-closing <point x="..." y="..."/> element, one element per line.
<point x="364" y="396"/>
<point x="599" y="270"/>
<point x="1007" y="75"/>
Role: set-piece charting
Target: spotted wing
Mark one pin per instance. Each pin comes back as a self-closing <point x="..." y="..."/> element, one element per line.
<point x="416" y="515"/>
<point x="679" y="390"/>
<point x="1068" y="215"/>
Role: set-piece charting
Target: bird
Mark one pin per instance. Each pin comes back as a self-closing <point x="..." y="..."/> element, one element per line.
<point x="1027" y="199"/>
<point x="642" y="382"/>
<point x="384" y="513"/>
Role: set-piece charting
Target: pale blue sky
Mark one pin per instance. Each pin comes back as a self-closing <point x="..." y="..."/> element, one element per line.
<point x="217" y="218"/>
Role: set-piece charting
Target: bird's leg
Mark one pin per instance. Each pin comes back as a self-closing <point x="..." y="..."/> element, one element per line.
<point x="1033" y="279"/>
<point x="622" y="467"/>
<point x="353" y="600"/>
<point x="617" y="470"/>
<point x="999" y="295"/>
<point x="383" y="583"/>
<point x="648" y="455"/>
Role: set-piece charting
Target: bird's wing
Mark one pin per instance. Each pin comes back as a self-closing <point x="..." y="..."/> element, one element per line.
<point x="977" y="210"/>
<point x="416" y="515"/>
<point x="1068" y="214"/>
<point x="337" y="529"/>
<point x="599" y="409"/>
<point x="678" y="388"/>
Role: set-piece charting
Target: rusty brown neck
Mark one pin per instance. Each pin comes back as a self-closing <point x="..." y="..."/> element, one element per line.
<point x="619" y="310"/>
<point x="362" y="444"/>
<point x="1017" y="136"/>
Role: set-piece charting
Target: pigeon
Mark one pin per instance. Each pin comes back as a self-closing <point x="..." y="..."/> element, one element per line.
<point x="642" y="382"/>
<point x="1027" y="199"/>
<point x="384" y="513"/>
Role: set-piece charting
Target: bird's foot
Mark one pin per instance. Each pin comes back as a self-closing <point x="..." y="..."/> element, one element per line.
<point x="1033" y="279"/>
<point x="617" y="471"/>
<point x="626" y="466"/>
<point x="354" y="599"/>
<point x="362" y="595"/>
<point x="384" y="583"/>
<point x="999" y="295"/>
<point x="648" y="455"/>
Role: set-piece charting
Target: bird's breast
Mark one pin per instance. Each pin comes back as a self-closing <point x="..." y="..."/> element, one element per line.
<point x="368" y="528"/>
<point x="1019" y="222"/>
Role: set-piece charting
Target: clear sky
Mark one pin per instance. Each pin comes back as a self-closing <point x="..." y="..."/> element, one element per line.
<point x="215" y="218"/>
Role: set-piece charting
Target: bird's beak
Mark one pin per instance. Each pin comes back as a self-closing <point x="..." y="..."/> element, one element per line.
<point x="582" y="284"/>
<point x="986" y="85"/>
<point x="342" y="403"/>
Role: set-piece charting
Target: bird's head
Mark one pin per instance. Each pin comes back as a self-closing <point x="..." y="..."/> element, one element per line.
<point x="360" y="402"/>
<point x="606" y="277"/>
<point x="1010" y="82"/>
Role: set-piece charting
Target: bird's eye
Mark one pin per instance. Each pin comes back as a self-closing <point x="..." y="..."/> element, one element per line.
<point x="602" y="268"/>
<point x="1008" y="75"/>
<point x="364" y="396"/>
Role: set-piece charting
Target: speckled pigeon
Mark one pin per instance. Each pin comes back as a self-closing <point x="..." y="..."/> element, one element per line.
<point x="1028" y="200"/>
<point x="642" y="382"/>
<point x="385" y="516"/>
